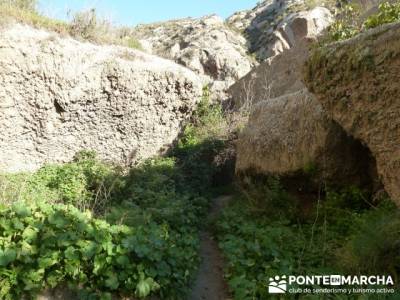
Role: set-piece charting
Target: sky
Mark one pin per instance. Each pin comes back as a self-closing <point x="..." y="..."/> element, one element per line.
<point x="133" y="12"/>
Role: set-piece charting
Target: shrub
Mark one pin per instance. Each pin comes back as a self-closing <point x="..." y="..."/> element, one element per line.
<point x="23" y="12"/>
<point x="201" y="142"/>
<point x="148" y="243"/>
<point x="89" y="26"/>
<point x="257" y="248"/>
<point x="374" y="245"/>
<point x="86" y="25"/>
<point x="388" y="13"/>
<point x="347" y="24"/>
<point x="157" y="191"/>
<point x="85" y="182"/>
<point x="350" y="197"/>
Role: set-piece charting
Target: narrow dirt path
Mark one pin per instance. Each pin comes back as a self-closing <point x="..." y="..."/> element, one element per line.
<point x="210" y="283"/>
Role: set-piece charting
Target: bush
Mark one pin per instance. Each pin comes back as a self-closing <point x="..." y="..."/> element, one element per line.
<point x="349" y="22"/>
<point x="89" y="26"/>
<point x="144" y="239"/>
<point x="254" y="249"/>
<point x="24" y="12"/>
<point x="201" y="142"/>
<point x="374" y="246"/>
<point x="388" y="13"/>
<point x="163" y="218"/>
<point x="157" y="191"/>
<point x="86" y="183"/>
<point x="86" y="25"/>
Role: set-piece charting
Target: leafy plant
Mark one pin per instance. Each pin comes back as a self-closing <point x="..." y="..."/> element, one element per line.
<point x="89" y="26"/>
<point x="149" y="243"/>
<point x="344" y="235"/>
<point x="347" y="24"/>
<point x="47" y="245"/>
<point x="388" y="13"/>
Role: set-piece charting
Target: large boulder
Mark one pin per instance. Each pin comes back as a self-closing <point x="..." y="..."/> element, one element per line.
<point x="291" y="135"/>
<point x="59" y="96"/>
<point x="357" y="83"/>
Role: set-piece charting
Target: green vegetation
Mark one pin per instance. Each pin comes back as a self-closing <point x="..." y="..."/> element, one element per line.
<point x="342" y="234"/>
<point x="350" y="23"/>
<point x="84" y="183"/>
<point x="45" y="245"/>
<point x="144" y="238"/>
<point x="347" y="24"/>
<point x="24" y="12"/>
<point x="388" y="13"/>
<point x="103" y="232"/>
<point x="311" y="4"/>
<point x="85" y="25"/>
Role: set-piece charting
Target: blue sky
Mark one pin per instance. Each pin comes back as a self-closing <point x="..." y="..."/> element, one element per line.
<point x="125" y="12"/>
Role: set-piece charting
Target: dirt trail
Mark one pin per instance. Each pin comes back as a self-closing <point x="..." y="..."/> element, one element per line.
<point x="210" y="283"/>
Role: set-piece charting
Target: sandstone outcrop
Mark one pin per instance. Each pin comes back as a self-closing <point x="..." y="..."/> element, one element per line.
<point x="272" y="79"/>
<point x="205" y="45"/>
<point x="292" y="134"/>
<point x="281" y="74"/>
<point x="59" y="96"/>
<point x="274" y="26"/>
<point x="288" y="131"/>
<point x="357" y="83"/>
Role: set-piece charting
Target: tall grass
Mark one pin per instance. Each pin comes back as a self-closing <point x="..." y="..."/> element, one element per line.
<point x="85" y="25"/>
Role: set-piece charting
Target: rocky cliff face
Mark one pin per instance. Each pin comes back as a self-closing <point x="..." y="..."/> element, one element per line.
<point x="289" y="132"/>
<point x="206" y="45"/>
<point x="221" y="51"/>
<point x="58" y="96"/>
<point x="282" y="74"/>
<point x="356" y="82"/>
<point x="274" y="26"/>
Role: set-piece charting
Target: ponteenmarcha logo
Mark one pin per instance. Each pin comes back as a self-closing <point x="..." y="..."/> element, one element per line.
<point x="351" y="284"/>
<point x="277" y="285"/>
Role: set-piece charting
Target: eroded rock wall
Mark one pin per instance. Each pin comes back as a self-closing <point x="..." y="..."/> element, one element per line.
<point x="59" y="96"/>
<point x="205" y="45"/>
<point x="357" y="83"/>
<point x="288" y="132"/>
<point x="291" y="135"/>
